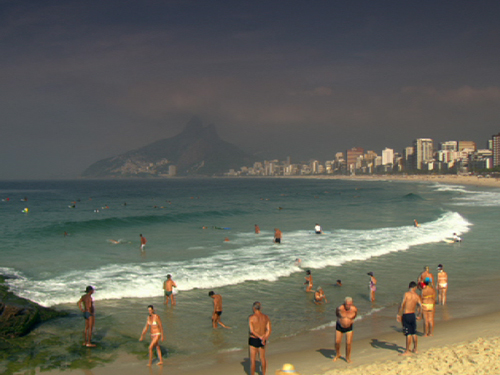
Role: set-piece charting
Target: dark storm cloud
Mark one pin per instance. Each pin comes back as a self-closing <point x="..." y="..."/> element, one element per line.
<point x="86" y="80"/>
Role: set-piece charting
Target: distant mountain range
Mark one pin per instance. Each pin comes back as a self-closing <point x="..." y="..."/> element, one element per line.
<point x="197" y="150"/>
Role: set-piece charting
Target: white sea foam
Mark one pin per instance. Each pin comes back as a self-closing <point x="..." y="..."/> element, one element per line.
<point x="479" y="199"/>
<point x="254" y="259"/>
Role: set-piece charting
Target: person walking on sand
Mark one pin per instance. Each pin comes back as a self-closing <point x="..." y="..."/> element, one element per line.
<point x="154" y="322"/>
<point x="373" y="286"/>
<point x="428" y="305"/>
<point x="260" y="330"/>
<point x="277" y="235"/>
<point x="407" y="316"/>
<point x="168" y="286"/>
<point x="319" y="296"/>
<point x="217" y="310"/>
<point x="442" y="285"/>
<point x="257" y="229"/>
<point x="86" y="305"/>
<point x="346" y="313"/>
<point x="309" y="281"/>
<point x="143" y="242"/>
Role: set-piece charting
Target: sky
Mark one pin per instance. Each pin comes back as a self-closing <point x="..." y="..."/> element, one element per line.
<point x="85" y="80"/>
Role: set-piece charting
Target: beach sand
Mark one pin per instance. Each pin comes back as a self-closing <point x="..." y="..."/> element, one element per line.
<point x="459" y="346"/>
<point x="442" y="179"/>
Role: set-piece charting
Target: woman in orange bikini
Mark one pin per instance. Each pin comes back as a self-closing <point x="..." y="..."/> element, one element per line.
<point x="156" y="335"/>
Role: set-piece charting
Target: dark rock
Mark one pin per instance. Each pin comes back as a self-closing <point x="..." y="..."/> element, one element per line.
<point x="18" y="316"/>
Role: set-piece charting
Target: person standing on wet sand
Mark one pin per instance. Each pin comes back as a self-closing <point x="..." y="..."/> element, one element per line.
<point x="154" y="322"/>
<point x="428" y="307"/>
<point x="168" y="286"/>
<point x="442" y="285"/>
<point x="309" y="281"/>
<point x="88" y="314"/>
<point x="406" y="315"/>
<point x="260" y="330"/>
<point x="143" y="242"/>
<point x="277" y="235"/>
<point x="217" y="310"/>
<point x="346" y="313"/>
<point x="373" y="286"/>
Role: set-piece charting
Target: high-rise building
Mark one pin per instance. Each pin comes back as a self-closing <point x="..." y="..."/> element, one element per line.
<point x="352" y="156"/>
<point x="387" y="156"/>
<point x="496" y="149"/>
<point x="408" y="158"/>
<point x="467" y="145"/>
<point x="423" y="152"/>
<point x="449" y="146"/>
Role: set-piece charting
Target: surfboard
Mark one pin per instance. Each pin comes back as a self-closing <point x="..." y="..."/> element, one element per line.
<point x="447" y="240"/>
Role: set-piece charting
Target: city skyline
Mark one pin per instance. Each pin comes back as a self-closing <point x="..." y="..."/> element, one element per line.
<point x="87" y="81"/>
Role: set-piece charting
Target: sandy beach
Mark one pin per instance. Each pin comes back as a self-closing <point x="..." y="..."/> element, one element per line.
<point x="442" y="179"/>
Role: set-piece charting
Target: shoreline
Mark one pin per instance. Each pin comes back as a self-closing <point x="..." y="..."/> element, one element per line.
<point x="445" y="179"/>
<point x="462" y="345"/>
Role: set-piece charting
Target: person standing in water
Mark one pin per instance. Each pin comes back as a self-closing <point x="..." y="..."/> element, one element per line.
<point x="88" y="314"/>
<point x="168" y="286"/>
<point x="317" y="229"/>
<point x="143" y="242"/>
<point x="309" y="281"/>
<point x="154" y="322"/>
<point x="217" y="310"/>
<point x="442" y="285"/>
<point x="277" y="235"/>
<point x="373" y="286"/>
<point x="257" y="229"/>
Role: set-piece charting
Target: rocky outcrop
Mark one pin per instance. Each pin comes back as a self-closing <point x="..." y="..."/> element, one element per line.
<point x="18" y="316"/>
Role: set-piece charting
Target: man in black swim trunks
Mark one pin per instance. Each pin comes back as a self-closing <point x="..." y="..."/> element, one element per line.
<point x="346" y="313"/>
<point x="260" y="330"/>
<point x="88" y="315"/>
<point x="217" y="309"/>
<point x="407" y="316"/>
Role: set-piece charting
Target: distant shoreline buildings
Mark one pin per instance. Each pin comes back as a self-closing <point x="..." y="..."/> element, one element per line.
<point x="421" y="157"/>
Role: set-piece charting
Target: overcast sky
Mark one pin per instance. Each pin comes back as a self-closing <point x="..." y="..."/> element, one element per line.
<point x="84" y="80"/>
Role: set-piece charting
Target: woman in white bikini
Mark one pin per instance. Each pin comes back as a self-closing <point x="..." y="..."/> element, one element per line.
<point x="154" y="322"/>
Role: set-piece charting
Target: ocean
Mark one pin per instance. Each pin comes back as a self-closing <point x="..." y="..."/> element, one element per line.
<point x="86" y="232"/>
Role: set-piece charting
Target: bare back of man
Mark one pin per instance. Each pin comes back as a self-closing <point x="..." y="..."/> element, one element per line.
<point x="407" y="316"/>
<point x="260" y="330"/>
<point x="168" y="286"/>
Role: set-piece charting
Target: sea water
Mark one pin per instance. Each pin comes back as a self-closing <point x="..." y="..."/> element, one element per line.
<point x="85" y="232"/>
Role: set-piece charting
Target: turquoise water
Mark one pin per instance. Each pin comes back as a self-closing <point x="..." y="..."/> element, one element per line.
<point x="368" y="227"/>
